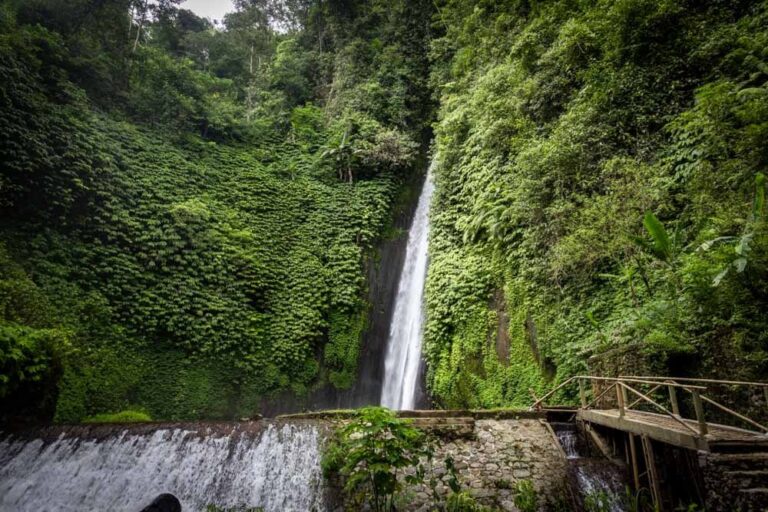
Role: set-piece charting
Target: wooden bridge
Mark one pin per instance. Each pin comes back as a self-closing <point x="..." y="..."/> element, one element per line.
<point x="679" y="412"/>
<point x="618" y="403"/>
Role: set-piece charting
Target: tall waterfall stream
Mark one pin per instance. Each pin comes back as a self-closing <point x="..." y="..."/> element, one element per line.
<point x="403" y="357"/>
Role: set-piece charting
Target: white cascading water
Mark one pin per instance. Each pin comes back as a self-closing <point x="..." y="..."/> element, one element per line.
<point x="595" y="478"/>
<point x="403" y="357"/>
<point x="277" y="470"/>
<point x="567" y="440"/>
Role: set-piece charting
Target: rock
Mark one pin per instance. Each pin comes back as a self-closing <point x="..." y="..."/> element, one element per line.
<point x="164" y="503"/>
<point x="521" y="473"/>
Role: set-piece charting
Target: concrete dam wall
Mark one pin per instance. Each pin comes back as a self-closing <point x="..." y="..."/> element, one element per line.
<point x="274" y="464"/>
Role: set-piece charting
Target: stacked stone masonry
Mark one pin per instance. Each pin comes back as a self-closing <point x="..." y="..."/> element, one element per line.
<point x="498" y="455"/>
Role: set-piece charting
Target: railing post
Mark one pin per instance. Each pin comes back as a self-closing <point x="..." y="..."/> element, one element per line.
<point x="582" y="394"/>
<point x="620" y="398"/>
<point x="633" y="457"/>
<point x="699" y="407"/>
<point x="673" y="400"/>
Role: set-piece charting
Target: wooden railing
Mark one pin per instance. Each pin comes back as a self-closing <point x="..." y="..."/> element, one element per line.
<point x="630" y="396"/>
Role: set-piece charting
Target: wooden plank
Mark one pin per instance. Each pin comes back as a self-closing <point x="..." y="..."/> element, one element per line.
<point x="639" y="426"/>
<point x="633" y="457"/>
<point x="599" y="442"/>
<point x="673" y="400"/>
<point x="637" y="401"/>
<point x="699" y="407"/>
<point x="642" y="380"/>
<point x="601" y="395"/>
<point x="620" y="397"/>
<point x="554" y="438"/>
<point x="653" y="476"/>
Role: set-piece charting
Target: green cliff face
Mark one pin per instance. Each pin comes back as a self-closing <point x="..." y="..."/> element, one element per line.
<point x="600" y="174"/>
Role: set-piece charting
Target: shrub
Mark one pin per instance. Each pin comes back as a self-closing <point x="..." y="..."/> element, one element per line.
<point x="127" y="416"/>
<point x="370" y="454"/>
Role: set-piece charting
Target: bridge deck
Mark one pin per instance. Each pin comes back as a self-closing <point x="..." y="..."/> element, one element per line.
<point x="665" y="429"/>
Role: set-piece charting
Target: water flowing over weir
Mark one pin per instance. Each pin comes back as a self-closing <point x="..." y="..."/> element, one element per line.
<point x="276" y="468"/>
<point x="403" y="357"/>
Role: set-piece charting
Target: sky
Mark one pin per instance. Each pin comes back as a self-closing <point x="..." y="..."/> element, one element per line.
<point x="214" y="9"/>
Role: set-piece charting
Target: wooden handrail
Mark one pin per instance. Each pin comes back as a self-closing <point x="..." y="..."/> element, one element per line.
<point x="691" y="385"/>
<point x="660" y="407"/>
<point x="638" y="380"/>
<point x="637" y="401"/>
<point x="538" y="402"/>
<point x="734" y="413"/>
<point x="704" y="381"/>
<point x="601" y="395"/>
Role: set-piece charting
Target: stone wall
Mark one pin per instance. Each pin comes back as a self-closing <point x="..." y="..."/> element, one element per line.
<point x="498" y="455"/>
<point x="492" y="451"/>
<point x="735" y="481"/>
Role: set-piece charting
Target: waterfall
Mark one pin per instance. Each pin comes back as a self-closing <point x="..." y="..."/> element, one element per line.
<point x="277" y="469"/>
<point x="568" y="441"/>
<point x="599" y="483"/>
<point x="403" y="356"/>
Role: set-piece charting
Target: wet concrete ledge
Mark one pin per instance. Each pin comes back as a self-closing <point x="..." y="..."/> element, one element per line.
<point x="478" y="414"/>
<point x="433" y="419"/>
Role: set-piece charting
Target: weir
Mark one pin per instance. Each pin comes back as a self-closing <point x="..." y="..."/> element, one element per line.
<point x="272" y="464"/>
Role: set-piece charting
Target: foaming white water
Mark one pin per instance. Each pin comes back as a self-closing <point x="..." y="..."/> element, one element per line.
<point x="567" y="440"/>
<point x="403" y="358"/>
<point x="602" y="482"/>
<point x="595" y="479"/>
<point x="278" y="470"/>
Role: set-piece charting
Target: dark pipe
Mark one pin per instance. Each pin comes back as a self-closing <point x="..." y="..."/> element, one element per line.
<point x="164" y="503"/>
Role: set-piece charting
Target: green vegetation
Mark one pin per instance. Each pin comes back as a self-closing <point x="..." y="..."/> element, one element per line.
<point x="600" y="185"/>
<point x="128" y="416"/>
<point x="525" y="497"/>
<point x="187" y="210"/>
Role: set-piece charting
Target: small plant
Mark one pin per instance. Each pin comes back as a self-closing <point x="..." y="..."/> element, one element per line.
<point x="463" y="502"/>
<point x="597" y="501"/>
<point x="502" y="483"/>
<point x="371" y="452"/>
<point x="526" y="499"/>
<point x="457" y="500"/>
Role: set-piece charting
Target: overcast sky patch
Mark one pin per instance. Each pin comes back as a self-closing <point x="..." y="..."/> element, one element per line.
<point x="213" y="9"/>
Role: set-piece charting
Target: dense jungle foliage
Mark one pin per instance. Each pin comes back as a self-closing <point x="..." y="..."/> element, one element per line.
<point x="188" y="208"/>
<point x="599" y="188"/>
